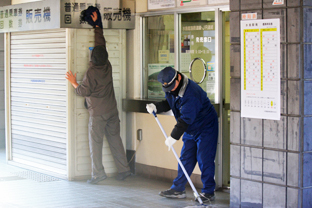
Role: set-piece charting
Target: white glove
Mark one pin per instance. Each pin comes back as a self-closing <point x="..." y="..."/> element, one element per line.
<point x="151" y="107"/>
<point x="169" y="142"/>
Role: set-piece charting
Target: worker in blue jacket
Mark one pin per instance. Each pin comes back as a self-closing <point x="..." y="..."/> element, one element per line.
<point x="198" y="121"/>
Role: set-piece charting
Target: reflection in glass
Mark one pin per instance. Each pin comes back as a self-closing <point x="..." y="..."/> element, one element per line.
<point x="198" y="41"/>
<point x="158" y="51"/>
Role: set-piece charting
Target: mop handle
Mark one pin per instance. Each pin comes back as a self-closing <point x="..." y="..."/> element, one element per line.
<point x="179" y="161"/>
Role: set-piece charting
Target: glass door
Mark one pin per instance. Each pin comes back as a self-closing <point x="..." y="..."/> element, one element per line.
<point x="198" y="45"/>
<point x="197" y="52"/>
<point x="158" y="52"/>
<point x="204" y="56"/>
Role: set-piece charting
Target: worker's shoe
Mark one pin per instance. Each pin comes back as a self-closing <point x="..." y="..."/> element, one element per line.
<point x="205" y="197"/>
<point x="171" y="193"/>
<point x="122" y="176"/>
<point x="95" y="180"/>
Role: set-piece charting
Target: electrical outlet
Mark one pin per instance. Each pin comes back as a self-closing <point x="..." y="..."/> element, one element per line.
<point x="139" y="135"/>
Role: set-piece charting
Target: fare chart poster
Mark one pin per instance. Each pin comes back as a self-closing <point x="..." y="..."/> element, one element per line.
<point x="260" y="69"/>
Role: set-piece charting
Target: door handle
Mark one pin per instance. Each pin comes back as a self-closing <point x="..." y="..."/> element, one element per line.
<point x="205" y="69"/>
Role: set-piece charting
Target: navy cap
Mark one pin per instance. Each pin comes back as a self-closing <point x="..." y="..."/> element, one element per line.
<point x="166" y="77"/>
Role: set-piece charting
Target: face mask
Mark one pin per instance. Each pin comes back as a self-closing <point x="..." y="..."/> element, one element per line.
<point x="176" y="91"/>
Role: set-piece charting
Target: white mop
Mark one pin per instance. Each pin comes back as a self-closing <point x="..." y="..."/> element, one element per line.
<point x="180" y="163"/>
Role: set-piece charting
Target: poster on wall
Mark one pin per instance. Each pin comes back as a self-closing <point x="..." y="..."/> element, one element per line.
<point x="163" y="56"/>
<point x="260" y="69"/>
<point x="185" y="3"/>
<point x="197" y="41"/>
<point x="154" y="87"/>
<point x="160" y="4"/>
<point x="211" y="85"/>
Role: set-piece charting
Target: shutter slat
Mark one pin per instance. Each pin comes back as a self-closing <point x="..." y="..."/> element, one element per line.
<point x="36" y="135"/>
<point x="39" y="141"/>
<point x="36" y="111"/>
<point x="44" y="160"/>
<point x="38" y="41"/>
<point x="38" y="56"/>
<point x="38" y="91"/>
<point x="22" y="144"/>
<point x="52" y="85"/>
<point x="39" y="51"/>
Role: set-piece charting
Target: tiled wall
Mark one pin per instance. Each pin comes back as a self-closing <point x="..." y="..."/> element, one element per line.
<point x="271" y="161"/>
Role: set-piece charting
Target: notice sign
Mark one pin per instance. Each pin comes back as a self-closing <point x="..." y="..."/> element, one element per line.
<point x="160" y="4"/>
<point x="260" y="69"/>
<point x="278" y="2"/>
<point x="249" y="16"/>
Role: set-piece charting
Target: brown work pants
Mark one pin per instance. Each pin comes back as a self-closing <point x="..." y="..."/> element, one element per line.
<point x="108" y="125"/>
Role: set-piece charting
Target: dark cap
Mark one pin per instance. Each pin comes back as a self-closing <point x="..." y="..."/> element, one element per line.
<point x="167" y="78"/>
<point x="99" y="55"/>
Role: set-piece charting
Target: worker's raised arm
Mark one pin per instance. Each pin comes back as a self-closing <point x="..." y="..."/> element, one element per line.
<point x="92" y="16"/>
<point x="98" y="31"/>
<point x="99" y="37"/>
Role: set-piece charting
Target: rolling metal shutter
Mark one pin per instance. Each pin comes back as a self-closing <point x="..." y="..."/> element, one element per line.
<point x="39" y="101"/>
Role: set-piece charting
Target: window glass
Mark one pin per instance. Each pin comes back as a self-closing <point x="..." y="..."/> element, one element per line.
<point x="198" y="45"/>
<point x="158" y="51"/>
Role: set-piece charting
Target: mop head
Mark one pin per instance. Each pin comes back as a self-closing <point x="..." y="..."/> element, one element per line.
<point x="207" y="206"/>
<point x="200" y="205"/>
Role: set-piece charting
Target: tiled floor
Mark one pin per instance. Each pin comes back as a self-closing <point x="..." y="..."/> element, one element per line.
<point x="17" y="190"/>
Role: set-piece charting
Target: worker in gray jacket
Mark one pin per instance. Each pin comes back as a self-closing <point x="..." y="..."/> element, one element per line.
<point x="97" y="88"/>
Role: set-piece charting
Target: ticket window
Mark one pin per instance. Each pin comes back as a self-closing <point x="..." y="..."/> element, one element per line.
<point x="158" y="52"/>
<point x="195" y="51"/>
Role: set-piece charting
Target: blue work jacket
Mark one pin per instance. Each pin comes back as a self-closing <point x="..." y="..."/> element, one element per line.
<point x="193" y="106"/>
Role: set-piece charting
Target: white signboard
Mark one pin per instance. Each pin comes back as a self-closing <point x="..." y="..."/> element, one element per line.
<point x="30" y="16"/>
<point x="160" y="4"/>
<point x="218" y="1"/>
<point x="260" y="69"/>
<point x="52" y="14"/>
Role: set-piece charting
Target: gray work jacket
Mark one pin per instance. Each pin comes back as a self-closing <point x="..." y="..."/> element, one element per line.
<point x="97" y="84"/>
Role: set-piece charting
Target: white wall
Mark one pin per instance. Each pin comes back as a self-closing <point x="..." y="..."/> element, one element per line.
<point x="152" y="150"/>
